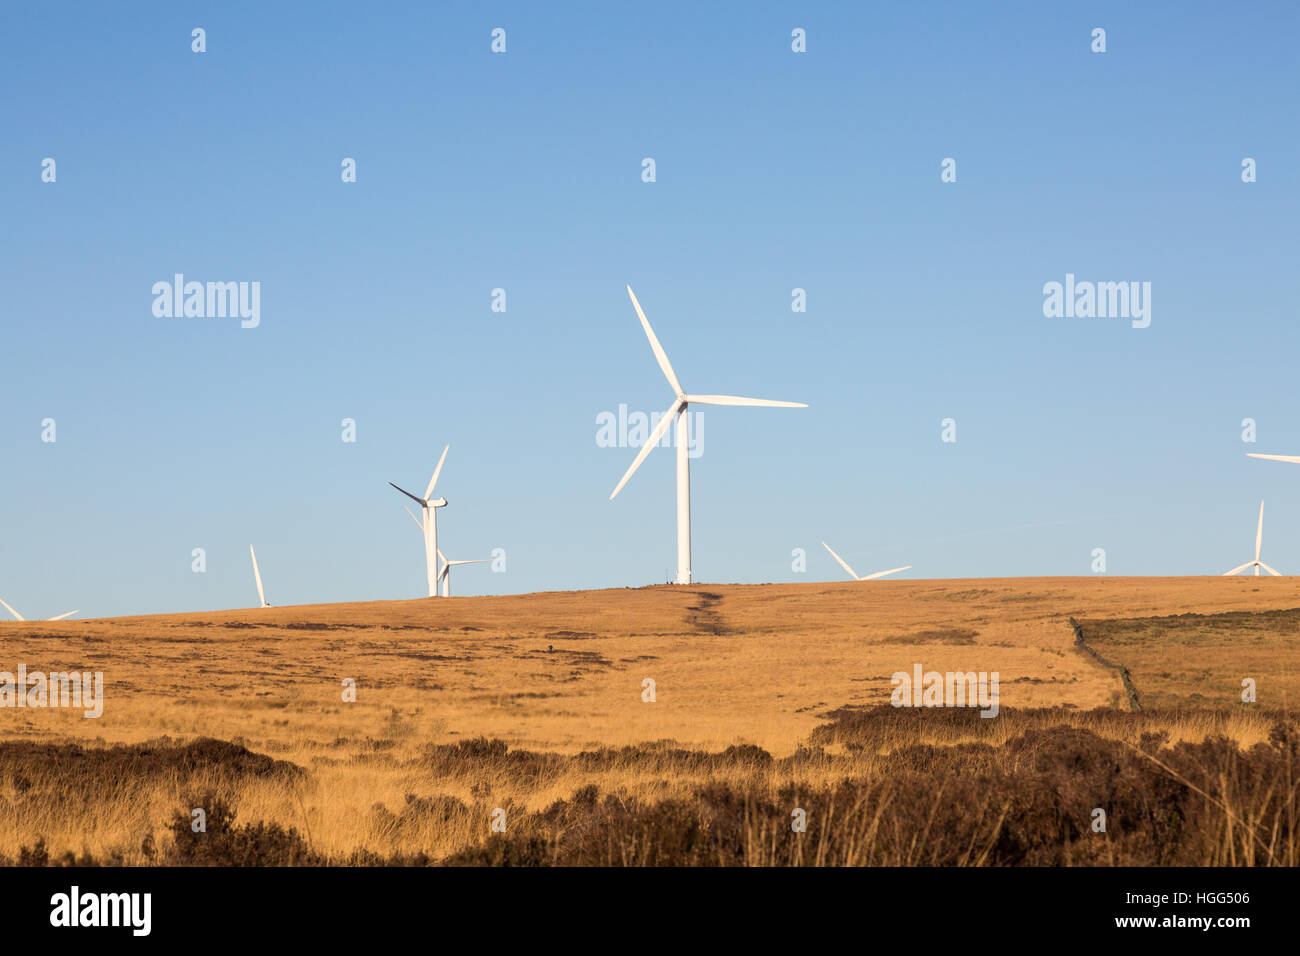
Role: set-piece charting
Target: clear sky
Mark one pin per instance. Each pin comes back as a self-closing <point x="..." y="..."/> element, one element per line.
<point x="775" y="170"/>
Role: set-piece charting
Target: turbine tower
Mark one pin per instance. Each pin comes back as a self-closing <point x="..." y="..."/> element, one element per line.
<point x="1257" y="563"/>
<point x="257" y="576"/>
<point x="845" y="565"/>
<point x="429" y="505"/>
<point x="19" y="617"/>
<point x="677" y="413"/>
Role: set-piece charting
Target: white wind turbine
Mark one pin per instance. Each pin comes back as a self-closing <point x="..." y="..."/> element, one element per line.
<point x="257" y="576"/>
<point x="845" y="565"/>
<point x="445" y="575"/>
<point x="1256" y="564"/>
<point x="429" y="505"/>
<point x="446" y="571"/>
<point x="677" y="411"/>
<point x="21" y="618"/>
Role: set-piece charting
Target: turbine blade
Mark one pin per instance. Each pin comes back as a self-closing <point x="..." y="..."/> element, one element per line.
<point x="70" y="613"/>
<point x="257" y="575"/>
<point x="418" y="523"/>
<point x="1259" y="533"/>
<point x="436" y="472"/>
<point x="446" y="570"/>
<point x="1276" y="574"/>
<point x="881" y="574"/>
<point x="1291" y="458"/>
<point x="475" y="561"/>
<point x="660" y="355"/>
<point x="650" y="442"/>
<point x="737" y="400"/>
<point x="16" y="615"/>
<point x="1239" y="570"/>
<point x="409" y="495"/>
<point x="442" y="556"/>
<point x="844" y="564"/>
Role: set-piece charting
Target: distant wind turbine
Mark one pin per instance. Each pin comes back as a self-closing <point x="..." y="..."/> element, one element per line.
<point x="257" y="576"/>
<point x="21" y="618"/>
<point x="845" y="565"/>
<point x="1257" y="563"/>
<point x="446" y="571"/>
<point x="677" y="411"/>
<point x="429" y="505"/>
<point x="445" y="575"/>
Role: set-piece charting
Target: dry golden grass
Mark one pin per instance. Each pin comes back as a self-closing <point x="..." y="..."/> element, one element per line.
<point x="1202" y="659"/>
<point x="562" y="672"/>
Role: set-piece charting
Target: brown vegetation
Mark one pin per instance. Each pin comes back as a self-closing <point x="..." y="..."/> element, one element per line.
<point x="872" y="793"/>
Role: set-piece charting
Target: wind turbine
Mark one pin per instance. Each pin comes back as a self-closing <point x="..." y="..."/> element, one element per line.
<point x="21" y="618"/>
<point x="445" y="576"/>
<point x="429" y="526"/>
<point x="257" y="576"/>
<point x="1256" y="564"/>
<point x="446" y="571"/>
<point x="844" y="564"/>
<point x="677" y="411"/>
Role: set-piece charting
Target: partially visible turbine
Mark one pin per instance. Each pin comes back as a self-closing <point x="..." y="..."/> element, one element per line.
<point x="446" y="571"/>
<point x="257" y="576"/>
<point x="677" y="411"/>
<point x="1294" y="459"/>
<point x="445" y="575"/>
<point x="844" y="564"/>
<point x="21" y="618"/>
<point x="429" y="505"/>
<point x="1257" y="563"/>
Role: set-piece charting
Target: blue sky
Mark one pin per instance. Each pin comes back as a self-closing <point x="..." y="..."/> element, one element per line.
<point x="522" y="171"/>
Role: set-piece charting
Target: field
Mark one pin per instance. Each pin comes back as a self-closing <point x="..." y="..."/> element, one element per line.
<point x="768" y="699"/>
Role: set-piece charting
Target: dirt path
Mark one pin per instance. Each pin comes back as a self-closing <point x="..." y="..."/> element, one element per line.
<point x="704" y="616"/>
